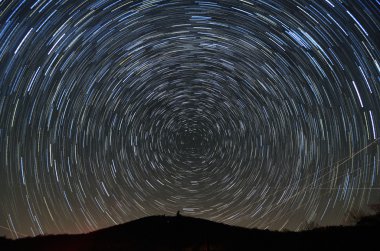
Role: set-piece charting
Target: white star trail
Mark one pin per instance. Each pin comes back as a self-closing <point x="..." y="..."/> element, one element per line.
<point x="253" y="113"/>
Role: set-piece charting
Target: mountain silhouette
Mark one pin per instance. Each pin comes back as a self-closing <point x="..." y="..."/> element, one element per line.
<point x="175" y="233"/>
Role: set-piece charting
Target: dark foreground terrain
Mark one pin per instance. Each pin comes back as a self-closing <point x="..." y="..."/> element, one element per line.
<point x="185" y="233"/>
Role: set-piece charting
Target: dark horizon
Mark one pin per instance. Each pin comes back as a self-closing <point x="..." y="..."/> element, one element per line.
<point x="355" y="219"/>
<point x="187" y="233"/>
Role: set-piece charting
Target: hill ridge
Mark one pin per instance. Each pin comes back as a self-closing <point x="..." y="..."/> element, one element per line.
<point x="175" y="233"/>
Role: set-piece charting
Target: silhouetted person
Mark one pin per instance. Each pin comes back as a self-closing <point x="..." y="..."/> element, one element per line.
<point x="178" y="213"/>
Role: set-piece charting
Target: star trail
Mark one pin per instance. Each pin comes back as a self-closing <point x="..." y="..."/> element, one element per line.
<point x="256" y="113"/>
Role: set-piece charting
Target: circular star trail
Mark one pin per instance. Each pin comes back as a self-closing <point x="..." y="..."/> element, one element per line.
<point x="253" y="113"/>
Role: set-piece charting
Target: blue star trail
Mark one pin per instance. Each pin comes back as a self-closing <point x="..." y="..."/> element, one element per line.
<point x="253" y="113"/>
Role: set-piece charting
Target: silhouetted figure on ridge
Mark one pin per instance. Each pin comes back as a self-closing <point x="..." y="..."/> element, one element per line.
<point x="179" y="213"/>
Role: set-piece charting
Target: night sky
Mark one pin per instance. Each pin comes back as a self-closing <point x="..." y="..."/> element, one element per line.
<point x="257" y="113"/>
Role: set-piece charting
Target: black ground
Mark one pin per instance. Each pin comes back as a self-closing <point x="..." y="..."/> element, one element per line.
<point x="186" y="233"/>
